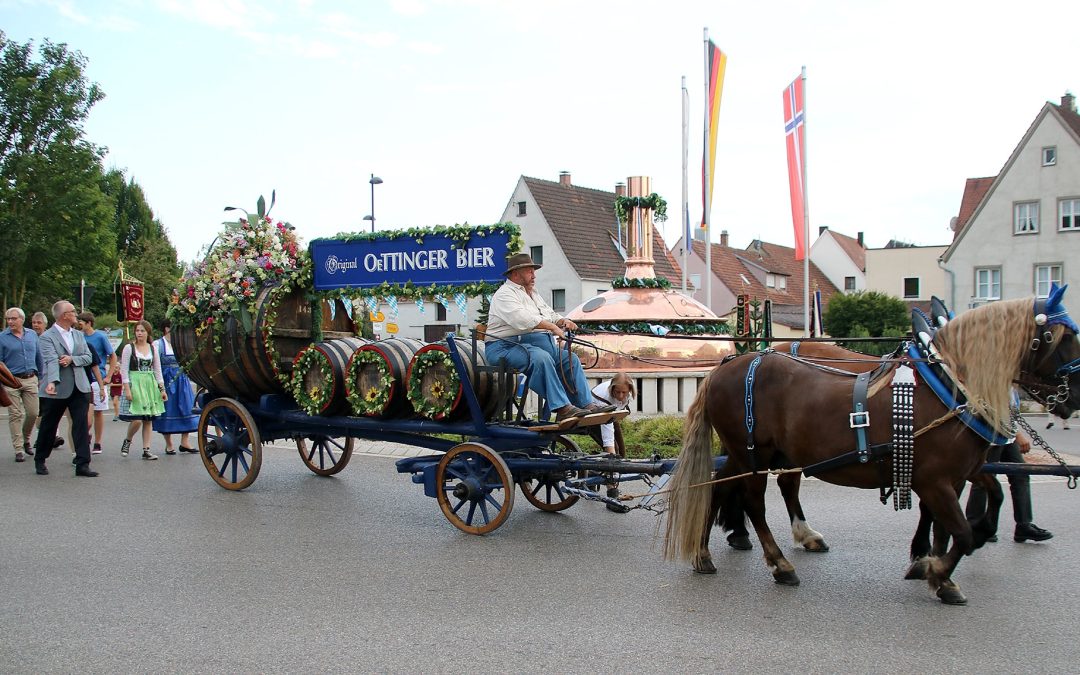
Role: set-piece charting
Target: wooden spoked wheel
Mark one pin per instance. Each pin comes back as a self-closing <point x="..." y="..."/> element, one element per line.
<point x="476" y="490"/>
<point x="545" y="491"/>
<point x="229" y="444"/>
<point x="325" y="456"/>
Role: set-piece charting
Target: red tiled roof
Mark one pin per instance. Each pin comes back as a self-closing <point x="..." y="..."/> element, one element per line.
<point x="735" y="269"/>
<point x="1070" y="116"/>
<point x="583" y="222"/>
<point x="853" y="249"/>
<point x="974" y="191"/>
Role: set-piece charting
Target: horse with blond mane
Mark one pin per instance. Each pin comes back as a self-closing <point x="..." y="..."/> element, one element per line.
<point x="758" y="404"/>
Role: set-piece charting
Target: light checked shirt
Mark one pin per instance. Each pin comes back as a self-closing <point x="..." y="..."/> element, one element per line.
<point x="513" y="311"/>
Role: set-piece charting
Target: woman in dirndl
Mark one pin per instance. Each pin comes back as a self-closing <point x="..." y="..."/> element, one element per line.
<point x="144" y="388"/>
<point x="178" y="417"/>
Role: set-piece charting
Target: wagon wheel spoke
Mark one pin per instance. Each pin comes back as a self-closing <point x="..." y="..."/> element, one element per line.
<point x="545" y="491"/>
<point x="473" y="474"/>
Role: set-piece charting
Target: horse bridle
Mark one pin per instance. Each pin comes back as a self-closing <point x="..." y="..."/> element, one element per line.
<point x="1044" y="340"/>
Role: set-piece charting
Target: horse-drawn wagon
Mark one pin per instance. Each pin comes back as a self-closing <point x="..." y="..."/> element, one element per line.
<point x="283" y="360"/>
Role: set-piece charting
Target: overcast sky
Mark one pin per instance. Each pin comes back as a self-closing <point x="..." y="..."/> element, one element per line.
<point x="213" y="102"/>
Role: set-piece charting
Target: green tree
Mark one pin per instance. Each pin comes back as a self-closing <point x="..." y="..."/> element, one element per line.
<point x="867" y="314"/>
<point x="54" y="218"/>
<point x="142" y="244"/>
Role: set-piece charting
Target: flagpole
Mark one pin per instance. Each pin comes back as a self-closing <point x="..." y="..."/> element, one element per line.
<point x="687" y="238"/>
<point x="806" y="220"/>
<point x="705" y="187"/>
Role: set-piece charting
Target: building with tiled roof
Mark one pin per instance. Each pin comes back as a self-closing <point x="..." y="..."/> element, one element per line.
<point x="841" y="258"/>
<point x="762" y="271"/>
<point x="1019" y="231"/>
<point x="573" y="231"/>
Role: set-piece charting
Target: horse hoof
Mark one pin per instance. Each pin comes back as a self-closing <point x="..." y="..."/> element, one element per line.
<point x="917" y="570"/>
<point x="739" y="542"/>
<point x="705" y="567"/>
<point x="786" y="578"/>
<point x="816" y="546"/>
<point x="951" y="595"/>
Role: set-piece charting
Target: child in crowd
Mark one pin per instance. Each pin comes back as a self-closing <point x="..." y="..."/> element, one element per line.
<point x="116" y="390"/>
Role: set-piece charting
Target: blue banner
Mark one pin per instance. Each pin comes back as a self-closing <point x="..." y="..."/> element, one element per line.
<point x="438" y="260"/>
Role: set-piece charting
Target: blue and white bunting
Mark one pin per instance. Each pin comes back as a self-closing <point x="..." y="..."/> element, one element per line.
<point x="391" y="301"/>
<point x="462" y="302"/>
<point x="333" y="308"/>
<point x="420" y="304"/>
<point x="348" y="305"/>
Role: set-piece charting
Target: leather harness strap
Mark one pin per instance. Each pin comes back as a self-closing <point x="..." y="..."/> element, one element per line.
<point x="859" y="418"/>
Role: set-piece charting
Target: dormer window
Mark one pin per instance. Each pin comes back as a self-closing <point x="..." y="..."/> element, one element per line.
<point x="1049" y="155"/>
<point x="777" y="281"/>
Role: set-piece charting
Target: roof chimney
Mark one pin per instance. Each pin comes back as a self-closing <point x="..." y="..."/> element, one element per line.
<point x="861" y="241"/>
<point x="620" y="189"/>
<point x="1068" y="101"/>
<point x="723" y="238"/>
<point x="564" y="178"/>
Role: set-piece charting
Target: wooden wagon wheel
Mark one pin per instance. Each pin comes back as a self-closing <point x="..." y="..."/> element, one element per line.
<point x="545" y="491"/>
<point x="476" y="489"/>
<point x="325" y="456"/>
<point x="229" y="444"/>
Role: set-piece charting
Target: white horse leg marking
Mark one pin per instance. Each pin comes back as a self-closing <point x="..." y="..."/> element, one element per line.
<point x="805" y="535"/>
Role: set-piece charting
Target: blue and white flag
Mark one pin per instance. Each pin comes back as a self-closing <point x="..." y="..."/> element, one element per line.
<point x="348" y="305"/>
<point x="462" y="302"/>
<point x="420" y="303"/>
<point x="333" y="308"/>
<point x="391" y="301"/>
<point x="441" y="299"/>
<point x="372" y="304"/>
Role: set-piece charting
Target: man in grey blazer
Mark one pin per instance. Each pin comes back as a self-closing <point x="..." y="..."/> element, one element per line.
<point x="64" y="386"/>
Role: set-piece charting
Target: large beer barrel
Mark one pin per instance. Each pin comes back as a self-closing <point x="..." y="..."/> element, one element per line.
<point x="435" y="390"/>
<point x="318" y="377"/>
<point x="246" y="365"/>
<point x="375" y="381"/>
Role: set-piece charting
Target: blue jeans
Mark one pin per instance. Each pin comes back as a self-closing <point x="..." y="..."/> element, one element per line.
<point x="536" y="355"/>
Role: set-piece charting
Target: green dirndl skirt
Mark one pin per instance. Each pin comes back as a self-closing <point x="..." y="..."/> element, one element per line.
<point x="145" y="397"/>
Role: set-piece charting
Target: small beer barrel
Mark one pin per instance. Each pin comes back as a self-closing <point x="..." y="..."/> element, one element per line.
<point x="375" y="381"/>
<point x="318" y="378"/>
<point x="434" y="389"/>
<point x="247" y="364"/>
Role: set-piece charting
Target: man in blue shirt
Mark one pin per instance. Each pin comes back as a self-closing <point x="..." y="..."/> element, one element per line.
<point x="98" y="340"/>
<point x="19" y="352"/>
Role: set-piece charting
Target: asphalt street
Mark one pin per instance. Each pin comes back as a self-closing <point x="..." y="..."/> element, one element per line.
<point x="154" y="568"/>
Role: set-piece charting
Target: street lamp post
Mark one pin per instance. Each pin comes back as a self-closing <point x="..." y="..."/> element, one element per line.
<point x="375" y="180"/>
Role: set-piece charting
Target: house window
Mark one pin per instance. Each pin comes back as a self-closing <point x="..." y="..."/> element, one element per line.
<point x="440" y="311"/>
<point x="1049" y="156"/>
<point x="537" y="254"/>
<point x="770" y="280"/>
<point x="911" y="288"/>
<point x="695" y="280"/>
<point x="1069" y="210"/>
<point x="849" y="283"/>
<point x="1026" y="218"/>
<point x="777" y="281"/>
<point x="521" y="208"/>
<point x="558" y="299"/>
<point x="1045" y="276"/>
<point x="988" y="283"/>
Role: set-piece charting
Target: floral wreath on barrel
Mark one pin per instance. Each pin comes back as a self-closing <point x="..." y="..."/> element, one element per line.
<point x="439" y="398"/>
<point x="374" y="399"/>
<point x="314" y="399"/>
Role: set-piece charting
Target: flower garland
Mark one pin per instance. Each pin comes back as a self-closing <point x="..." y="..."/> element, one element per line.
<point x="675" y="329"/>
<point x="373" y="400"/>
<point x="313" y="400"/>
<point x="653" y="201"/>
<point x="438" y="401"/>
<point x="624" y="282"/>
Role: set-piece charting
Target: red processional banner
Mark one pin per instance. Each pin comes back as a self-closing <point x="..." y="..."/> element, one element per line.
<point x="132" y="295"/>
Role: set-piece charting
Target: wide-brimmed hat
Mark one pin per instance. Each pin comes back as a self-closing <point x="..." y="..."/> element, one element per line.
<point x="519" y="261"/>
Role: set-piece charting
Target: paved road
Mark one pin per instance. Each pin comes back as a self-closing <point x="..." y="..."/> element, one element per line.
<point x="153" y="567"/>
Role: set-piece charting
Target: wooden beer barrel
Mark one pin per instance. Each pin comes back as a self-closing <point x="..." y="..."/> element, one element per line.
<point x="247" y="364"/>
<point x="318" y="378"/>
<point x="375" y="382"/>
<point x="434" y="389"/>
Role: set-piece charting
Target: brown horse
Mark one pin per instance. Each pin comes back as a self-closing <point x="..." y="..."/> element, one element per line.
<point x="835" y="356"/>
<point x="987" y="348"/>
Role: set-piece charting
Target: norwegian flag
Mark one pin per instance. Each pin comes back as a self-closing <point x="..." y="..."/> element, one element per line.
<point x="795" y="133"/>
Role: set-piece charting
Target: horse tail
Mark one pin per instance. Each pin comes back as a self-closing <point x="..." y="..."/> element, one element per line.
<point x="688" y="508"/>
